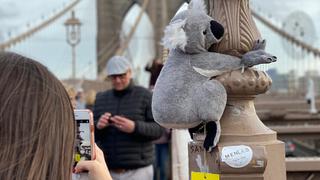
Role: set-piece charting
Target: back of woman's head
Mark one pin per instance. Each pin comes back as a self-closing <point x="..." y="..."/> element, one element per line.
<point x="37" y="129"/>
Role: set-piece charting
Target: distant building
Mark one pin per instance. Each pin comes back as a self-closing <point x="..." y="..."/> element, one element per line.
<point x="291" y="83"/>
<point x="88" y="85"/>
<point x="314" y="75"/>
<point x="280" y="82"/>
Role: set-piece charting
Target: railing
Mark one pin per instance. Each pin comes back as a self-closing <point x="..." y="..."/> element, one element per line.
<point x="282" y="33"/>
<point x="303" y="168"/>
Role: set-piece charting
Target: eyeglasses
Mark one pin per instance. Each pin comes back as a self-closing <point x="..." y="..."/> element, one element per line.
<point x="115" y="76"/>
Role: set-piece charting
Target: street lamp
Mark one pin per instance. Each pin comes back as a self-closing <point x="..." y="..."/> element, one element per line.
<point x="73" y="38"/>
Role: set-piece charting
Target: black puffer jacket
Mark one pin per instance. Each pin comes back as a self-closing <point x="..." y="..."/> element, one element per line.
<point x="122" y="150"/>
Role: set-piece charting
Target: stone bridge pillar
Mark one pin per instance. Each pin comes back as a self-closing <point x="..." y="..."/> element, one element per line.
<point x="247" y="149"/>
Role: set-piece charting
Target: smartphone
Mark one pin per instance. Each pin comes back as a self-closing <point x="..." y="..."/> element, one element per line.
<point x="84" y="145"/>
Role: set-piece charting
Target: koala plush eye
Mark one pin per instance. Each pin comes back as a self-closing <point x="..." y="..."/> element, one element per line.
<point x="204" y="32"/>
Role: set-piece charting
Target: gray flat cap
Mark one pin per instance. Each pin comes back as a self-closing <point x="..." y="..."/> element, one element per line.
<point x="118" y="65"/>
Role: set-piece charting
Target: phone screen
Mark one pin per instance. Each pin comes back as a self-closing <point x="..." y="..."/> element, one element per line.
<point x="83" y="144"/>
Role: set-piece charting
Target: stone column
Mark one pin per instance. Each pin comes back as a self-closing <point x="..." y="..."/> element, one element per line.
<point x="241" y="126"/>
<point x="243" y="136"/>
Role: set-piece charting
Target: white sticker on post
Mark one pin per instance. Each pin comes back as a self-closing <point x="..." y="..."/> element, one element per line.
<point x="236" y="156"/>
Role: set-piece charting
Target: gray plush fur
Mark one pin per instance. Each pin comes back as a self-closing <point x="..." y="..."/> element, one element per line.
<point x="185" y="93"/>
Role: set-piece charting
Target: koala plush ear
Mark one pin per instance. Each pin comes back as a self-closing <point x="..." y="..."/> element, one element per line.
<point x="174" y="35"/>
<point x="198" y="5"/>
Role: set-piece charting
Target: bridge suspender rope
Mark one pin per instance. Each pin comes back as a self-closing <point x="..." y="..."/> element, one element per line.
<point x="303" y="45"/>
<point x="124" y="46"/>
<point x="37" y="28"/>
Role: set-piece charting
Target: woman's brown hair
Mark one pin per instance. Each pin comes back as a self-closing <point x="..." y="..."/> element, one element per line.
<point x="37" y="127"/>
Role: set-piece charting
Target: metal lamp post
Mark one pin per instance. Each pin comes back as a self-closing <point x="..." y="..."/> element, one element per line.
<point x="73" y="38"/>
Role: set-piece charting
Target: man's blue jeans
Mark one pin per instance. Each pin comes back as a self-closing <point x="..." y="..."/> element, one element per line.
<point x="162" y="158"/>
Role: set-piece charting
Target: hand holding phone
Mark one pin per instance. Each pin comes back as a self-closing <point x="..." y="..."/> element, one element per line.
<point x="84" y="148"/>
<point x="97" y="169"/>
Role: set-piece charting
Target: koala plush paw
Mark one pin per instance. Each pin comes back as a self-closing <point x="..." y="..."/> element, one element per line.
<point x="257" y="57"/>
<point x="259" y="44"/>
<point x="212" y="133"/>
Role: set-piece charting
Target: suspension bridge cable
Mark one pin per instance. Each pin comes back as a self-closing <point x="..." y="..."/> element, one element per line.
<point x="124" y="46"/>
<point x="294" y="40"/>
<point x="37" y="28"/>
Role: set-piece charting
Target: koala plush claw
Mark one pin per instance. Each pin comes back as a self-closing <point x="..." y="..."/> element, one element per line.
<point x="267" y="58"/>
<point x="242" y="69"/>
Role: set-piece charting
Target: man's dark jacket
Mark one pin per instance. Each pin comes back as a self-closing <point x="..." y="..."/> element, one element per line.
<point x="123" y="150"/>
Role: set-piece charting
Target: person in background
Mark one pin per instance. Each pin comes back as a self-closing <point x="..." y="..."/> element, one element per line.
<point x="80" y="98"/>
<point x="90" y="99"/>
<point x="161" y="166"/>
<point x="37" y="125"/>
<point x="154" y="69"/>
<point x="125" y="127"/>
<point x="72" y="95"/>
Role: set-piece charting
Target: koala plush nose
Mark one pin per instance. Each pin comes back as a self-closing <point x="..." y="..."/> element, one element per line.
<point x="216" y="29"/>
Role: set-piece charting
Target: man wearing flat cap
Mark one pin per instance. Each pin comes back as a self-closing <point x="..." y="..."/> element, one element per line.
<point x="124" y="124"/>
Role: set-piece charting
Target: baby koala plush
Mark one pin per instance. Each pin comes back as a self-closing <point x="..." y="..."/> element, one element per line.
<point x="185" y="94"/>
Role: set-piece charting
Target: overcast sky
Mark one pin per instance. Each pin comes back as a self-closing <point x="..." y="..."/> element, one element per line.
<point x="50" y="48"/>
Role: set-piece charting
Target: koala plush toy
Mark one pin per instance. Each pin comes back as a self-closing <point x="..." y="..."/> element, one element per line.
<point x="186" y="93"/>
